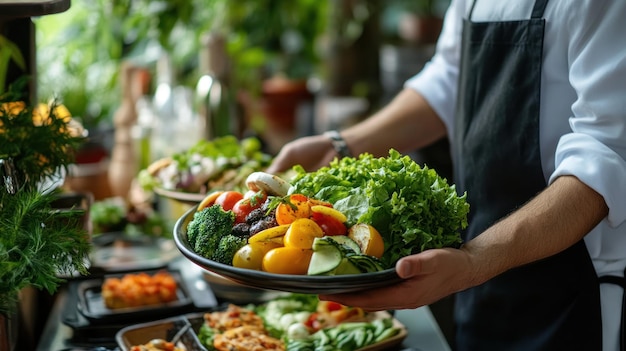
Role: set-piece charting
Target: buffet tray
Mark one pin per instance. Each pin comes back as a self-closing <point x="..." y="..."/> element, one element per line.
<point x="184" y="329"/>
<point x="91" y="302"/>
<point x="85" y="310"/>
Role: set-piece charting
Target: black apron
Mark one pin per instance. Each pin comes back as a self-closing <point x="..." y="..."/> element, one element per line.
<point x="552" y="304"/>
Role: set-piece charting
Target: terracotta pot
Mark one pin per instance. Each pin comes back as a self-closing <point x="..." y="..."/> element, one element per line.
<point x="9" y="330"/>
<point x="420" y="29"/>
<point x="280" y="100"/>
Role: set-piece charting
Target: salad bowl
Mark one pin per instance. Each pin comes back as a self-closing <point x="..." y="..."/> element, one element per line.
<point x="307" y="284"/>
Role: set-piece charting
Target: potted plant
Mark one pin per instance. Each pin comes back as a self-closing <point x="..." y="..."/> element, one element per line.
<point x="39" y="241"/>
<point x="284" y="36"/>
<point x="420" y="20"/>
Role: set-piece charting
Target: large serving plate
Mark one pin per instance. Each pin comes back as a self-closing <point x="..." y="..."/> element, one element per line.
<point x="183" y="329"/>
<point x="283" y="282"/>
<point x="180" y="196"/>
<point x="118" y="252"/>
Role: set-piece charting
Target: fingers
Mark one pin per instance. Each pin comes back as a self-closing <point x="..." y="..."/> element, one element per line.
<point x="310" y="152"/>
<point x="372" y="300"/>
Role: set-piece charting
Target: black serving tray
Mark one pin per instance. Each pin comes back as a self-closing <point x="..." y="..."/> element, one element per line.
<point x="91" y="303"/>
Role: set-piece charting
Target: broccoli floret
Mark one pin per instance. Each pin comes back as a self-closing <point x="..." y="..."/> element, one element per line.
<point x="227" y="248"/>
<point x="207" y="228"/>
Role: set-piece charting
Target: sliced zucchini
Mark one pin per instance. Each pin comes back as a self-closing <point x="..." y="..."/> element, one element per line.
<point x="366" y="263"/>
<point x="346" y="241"/>
<point x="325" y="259"/>
<point x="346" y="267"/>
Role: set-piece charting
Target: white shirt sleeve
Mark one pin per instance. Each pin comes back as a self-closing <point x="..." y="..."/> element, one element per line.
<point x="437" y="82"/>
<point x="595" y="149"/>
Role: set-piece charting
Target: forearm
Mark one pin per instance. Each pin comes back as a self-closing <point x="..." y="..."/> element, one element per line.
<point x="554" y="220"/>
<point x="405" y="124"/>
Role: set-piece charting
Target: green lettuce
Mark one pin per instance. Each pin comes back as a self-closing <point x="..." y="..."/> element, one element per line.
<point x="412" y="207"/>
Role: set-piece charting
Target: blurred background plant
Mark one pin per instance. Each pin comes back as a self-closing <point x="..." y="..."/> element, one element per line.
<point x="83" y="47"/>
<point x="39" y="240"/>
<point x="9" y="52"/>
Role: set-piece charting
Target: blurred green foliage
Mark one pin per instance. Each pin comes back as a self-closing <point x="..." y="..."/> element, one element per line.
<point x="80" y="50"/>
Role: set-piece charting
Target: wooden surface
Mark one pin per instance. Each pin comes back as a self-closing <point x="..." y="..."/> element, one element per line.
<point x="31" y="8"/>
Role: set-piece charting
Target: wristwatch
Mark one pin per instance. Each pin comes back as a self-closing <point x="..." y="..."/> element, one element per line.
<point x="339" y="144"/>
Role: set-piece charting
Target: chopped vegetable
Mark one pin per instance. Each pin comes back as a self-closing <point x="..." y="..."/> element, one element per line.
<point x="207" y="228"/>
<point x="228" y="246"/>
<point x="220" y="164"/>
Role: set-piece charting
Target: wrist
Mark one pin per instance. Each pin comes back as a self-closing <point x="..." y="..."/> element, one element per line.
<point x="339" y="144"/>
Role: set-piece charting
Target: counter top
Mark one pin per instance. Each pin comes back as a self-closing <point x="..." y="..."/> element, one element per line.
<point x="423" y="332"/>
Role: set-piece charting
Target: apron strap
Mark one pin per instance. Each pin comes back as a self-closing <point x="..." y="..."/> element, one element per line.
<point x="621" y="281"/>
<point x="539" y="8"/>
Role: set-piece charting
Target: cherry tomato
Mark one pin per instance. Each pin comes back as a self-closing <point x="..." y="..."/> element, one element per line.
<point x="257" y="198"/>
<point x="247" y="204"/>
<point x="287" y="260"/>
<point x="329" y="224"/>
<point x="301" y="233"/>
<point x="297" y="206"/>
<point x="228" y="199"/>
<point x="242" y="209"/>
<point x="251" y="255"/>
<point x="313" y="321"/>
<point x="329" y="306"/>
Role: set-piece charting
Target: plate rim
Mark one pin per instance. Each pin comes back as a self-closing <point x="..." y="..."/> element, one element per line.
<point x="284" y="282"/>
<point x="185" y="197"/>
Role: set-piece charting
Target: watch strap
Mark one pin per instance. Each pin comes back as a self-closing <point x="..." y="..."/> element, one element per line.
<point x="339" y="144"/>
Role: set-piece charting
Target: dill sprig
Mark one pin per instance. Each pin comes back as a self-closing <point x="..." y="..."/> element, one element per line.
<point x="38" y="243"/>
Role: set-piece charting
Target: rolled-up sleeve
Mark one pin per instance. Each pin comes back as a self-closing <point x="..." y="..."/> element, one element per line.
<point x="595" y="150"/>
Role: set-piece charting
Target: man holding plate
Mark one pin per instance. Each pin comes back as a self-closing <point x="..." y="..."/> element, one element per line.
<point x="531" y="96"/>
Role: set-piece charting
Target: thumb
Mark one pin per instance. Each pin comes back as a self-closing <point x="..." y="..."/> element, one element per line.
<point x="414" y="265"/>
<point x="407" y="267"/>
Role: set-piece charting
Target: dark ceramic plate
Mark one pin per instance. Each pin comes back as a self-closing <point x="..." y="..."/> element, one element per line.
<point x="283" y="282"/>
<point x="91" y="303"/>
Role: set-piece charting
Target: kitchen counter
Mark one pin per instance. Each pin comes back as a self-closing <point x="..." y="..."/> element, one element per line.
<point x="423" y="332"/>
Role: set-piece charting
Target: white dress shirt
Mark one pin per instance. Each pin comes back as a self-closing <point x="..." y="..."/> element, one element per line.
<point x="582" y="113"/>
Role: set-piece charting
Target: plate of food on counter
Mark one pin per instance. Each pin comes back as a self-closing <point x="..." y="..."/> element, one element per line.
<point x="221" y="163"/>
<point x="291" y="322"/>
<point x="137" y="295"/>
<point x="339" y="229"/>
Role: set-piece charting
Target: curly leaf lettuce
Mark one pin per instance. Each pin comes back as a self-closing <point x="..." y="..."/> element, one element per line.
<point x="412" y="207"/>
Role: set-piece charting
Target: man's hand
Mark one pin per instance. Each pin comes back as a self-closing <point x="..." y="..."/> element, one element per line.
<point x="428" y="277"/>
<point x="311" y="152"/>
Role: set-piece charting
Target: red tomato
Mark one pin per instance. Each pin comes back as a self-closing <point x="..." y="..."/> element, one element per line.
<point x="313" y="322"/>
<point x="247" y="204"/>
<point x="330" y="306"/>
<point x="329" y="224"/>
<point x="228" y="199"/>
<point x="257" y="198"/>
